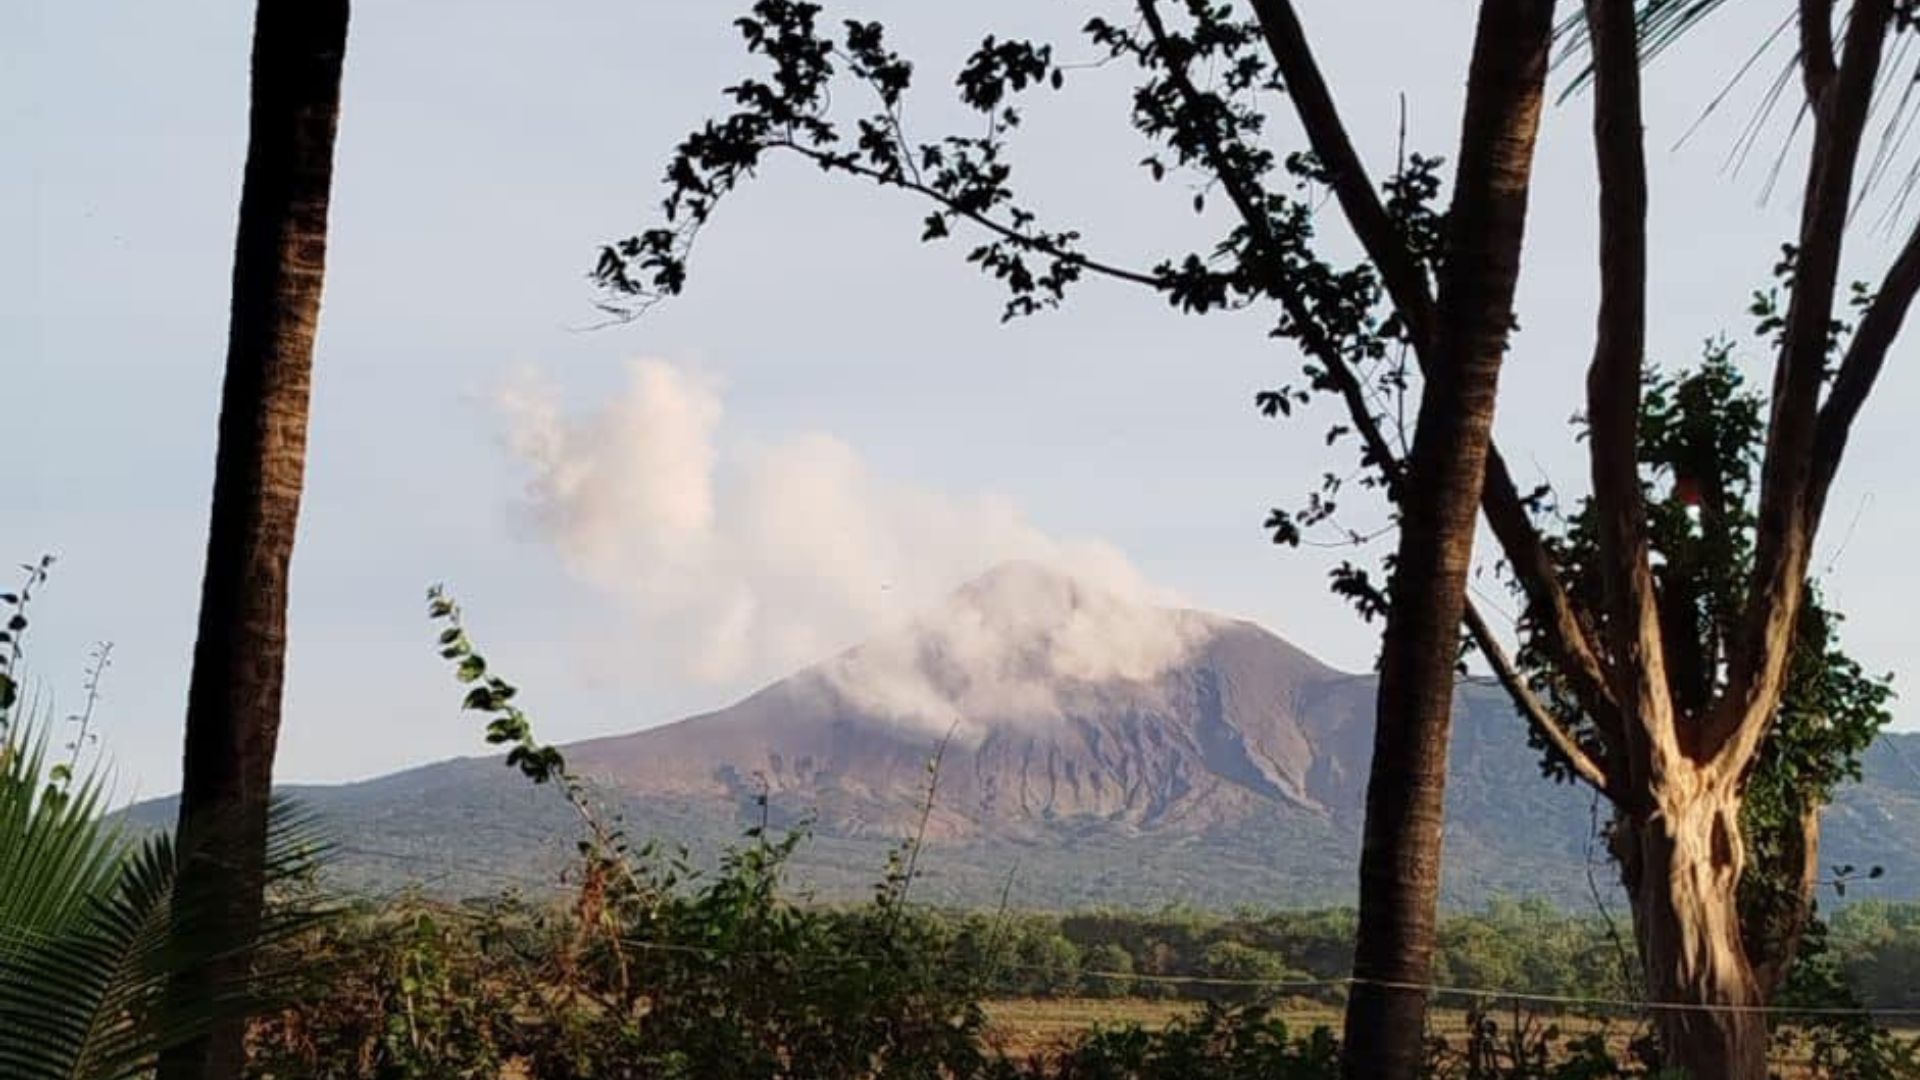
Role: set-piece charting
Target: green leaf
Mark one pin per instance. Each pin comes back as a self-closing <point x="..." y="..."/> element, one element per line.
<point x="472" y="666"/>
<point x="98" y="932"/>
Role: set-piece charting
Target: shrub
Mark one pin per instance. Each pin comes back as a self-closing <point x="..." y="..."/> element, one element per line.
<point x="1108" y="972"/>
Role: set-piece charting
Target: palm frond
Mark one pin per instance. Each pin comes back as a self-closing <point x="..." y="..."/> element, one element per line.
<point x="56" y="848"/>
<point x="80" y="999"/>
<point x="89" y="990"/>
<point x="1664" y="23"/>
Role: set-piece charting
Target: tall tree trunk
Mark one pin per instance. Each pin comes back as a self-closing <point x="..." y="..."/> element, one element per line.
<point x="1681" y="865"/>
<point x="1439" y="504"/>
<point x="233" y="702"/>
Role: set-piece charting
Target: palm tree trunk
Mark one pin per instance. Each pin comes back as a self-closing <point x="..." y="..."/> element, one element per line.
<point x="233" y="702"/>
<point x="1439" y="502"/>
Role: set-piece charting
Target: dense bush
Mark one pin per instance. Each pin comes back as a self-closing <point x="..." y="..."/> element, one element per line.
<point x="1877" y="946"/>
<point x="1107" y="972"/>
<point x="653" y="977"/>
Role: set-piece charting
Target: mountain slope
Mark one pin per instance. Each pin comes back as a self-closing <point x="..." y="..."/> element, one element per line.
<point x="1093" y="749"/>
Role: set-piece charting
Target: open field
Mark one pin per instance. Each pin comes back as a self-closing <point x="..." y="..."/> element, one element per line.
<point x="1030" y="1025"/>
<point x="1027" y="1026"/>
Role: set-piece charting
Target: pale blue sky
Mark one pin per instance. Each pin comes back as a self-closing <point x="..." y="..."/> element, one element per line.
<point x="487" y="146"/>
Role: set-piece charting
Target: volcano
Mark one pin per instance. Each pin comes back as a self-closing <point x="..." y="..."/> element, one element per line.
<point x="1065" y="744"/>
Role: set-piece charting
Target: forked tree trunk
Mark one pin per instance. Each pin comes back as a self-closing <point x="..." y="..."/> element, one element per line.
<point x="233" y="700"/>
<point x="1439" y="505"/>
<point x="1682" y="867"/>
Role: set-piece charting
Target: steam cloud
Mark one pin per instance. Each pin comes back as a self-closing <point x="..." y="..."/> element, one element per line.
<point x="752" y="563"/>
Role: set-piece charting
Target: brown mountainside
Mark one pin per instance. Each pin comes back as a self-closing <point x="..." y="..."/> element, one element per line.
<point x="1222" y="732"/>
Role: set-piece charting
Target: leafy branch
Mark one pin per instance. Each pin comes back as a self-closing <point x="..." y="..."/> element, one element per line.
<point x="509" y="725"/>
<point x="13" y="606"/>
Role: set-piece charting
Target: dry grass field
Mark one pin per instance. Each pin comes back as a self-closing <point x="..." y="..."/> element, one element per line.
<point x="1024" y="1026"/>
<point x="1029" y="1025"/>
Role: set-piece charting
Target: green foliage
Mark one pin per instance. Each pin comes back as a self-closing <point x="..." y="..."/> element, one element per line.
<point x="13" y="632"/>
<point x="1207" y="85"/>
<point x="1034" y="958"/>
<point x="410" y="991"/>
<point x="92" y="934"/>
<point x="1108" y="972"/>
<point x="718" y="975"/>
<point x="1530" y="947"/>
<point x="1843" y="1044"/>
<point x="1233" y="962"/>
<point x="59" y="851"/>
<point x="436" y="1030"/>
<point x="1875" y="945"/>
<point x="494" y="695"/>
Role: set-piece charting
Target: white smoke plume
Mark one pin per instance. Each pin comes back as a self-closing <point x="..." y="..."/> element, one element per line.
<point x="749" y="564"/>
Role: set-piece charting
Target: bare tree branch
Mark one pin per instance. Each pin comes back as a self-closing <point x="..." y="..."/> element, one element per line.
<point x="1535" y="710"/>
<point x="1006" y="232"/>
<point x="1404" y="278"/>
<point x="1614" y="379"/>
<point x="1865" y="356"/>
<point x="1566" y="634"/>
<point x="1757" y="664"/>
